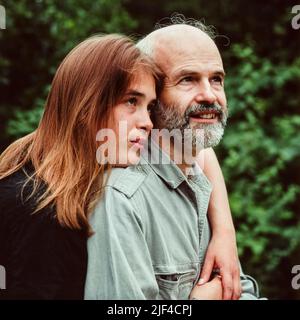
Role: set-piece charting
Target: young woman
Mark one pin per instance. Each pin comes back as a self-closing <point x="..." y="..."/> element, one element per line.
<point x="50" y="179"/>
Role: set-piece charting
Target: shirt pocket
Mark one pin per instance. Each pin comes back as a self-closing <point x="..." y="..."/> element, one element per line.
<point x="175" y="286"/>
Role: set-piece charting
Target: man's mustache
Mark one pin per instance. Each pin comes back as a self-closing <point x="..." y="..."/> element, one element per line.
<point x="202" y="107"/>
<point x="213" y="107"/>
<point x="170" y="111"/>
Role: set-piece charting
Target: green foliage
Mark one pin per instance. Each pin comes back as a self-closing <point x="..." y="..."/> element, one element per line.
<point x="38" y="36"/>
<point x="261" y="153"/>
<point x="24" y="122"/>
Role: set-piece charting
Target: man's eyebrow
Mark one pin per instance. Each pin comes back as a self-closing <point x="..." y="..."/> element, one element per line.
<point x="185" y="72"/>
<point x="220" y="73"/>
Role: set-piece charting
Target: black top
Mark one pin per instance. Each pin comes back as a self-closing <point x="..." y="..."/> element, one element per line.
<point x="42" y="259"/>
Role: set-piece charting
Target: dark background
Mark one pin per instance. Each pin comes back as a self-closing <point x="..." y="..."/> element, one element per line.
<point x="260" y="153"/>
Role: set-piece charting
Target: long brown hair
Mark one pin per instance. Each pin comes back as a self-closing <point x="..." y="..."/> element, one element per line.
<point x="87" y="85"/>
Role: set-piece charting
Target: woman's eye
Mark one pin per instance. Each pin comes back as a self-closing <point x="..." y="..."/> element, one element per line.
<point x="131" y="102"/>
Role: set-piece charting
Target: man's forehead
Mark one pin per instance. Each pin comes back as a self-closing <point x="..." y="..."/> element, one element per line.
<point x="181" y="47"/>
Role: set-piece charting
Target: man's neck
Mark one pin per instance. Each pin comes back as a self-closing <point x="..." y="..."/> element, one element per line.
<point x="170" y="149"/>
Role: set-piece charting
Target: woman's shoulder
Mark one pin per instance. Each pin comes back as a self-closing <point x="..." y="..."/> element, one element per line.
<point x="35" y="246"/>
<point x="13" y="180"/>
<point x="17" y="204"/>
<point x="15" y="188"/>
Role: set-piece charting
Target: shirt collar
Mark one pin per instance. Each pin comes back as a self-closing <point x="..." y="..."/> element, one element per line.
<point x="162" y="164"/>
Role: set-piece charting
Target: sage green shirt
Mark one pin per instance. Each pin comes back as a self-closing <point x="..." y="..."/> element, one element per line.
<point x="151" y="234"/>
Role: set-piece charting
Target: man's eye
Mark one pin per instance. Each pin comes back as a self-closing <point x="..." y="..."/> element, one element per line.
<point x="217" y="79"/>
<point x="187" y="79"/>
<point x="132" y="102"/>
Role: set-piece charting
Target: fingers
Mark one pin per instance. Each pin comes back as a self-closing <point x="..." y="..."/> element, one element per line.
<point x="237" y="288"/>
<point x="228" y="285"/>
<point x="206" y="270"/>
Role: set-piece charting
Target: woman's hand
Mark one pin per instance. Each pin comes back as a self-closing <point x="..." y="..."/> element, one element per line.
<point x="211" y="290"/>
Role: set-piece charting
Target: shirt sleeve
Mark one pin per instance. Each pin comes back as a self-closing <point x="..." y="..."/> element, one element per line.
<point x="119" y="262"/>
<point x="250" y="290"/>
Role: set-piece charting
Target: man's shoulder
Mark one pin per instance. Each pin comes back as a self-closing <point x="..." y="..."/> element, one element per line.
<point x="128" y="180"/>
<point x="118" y="198"/>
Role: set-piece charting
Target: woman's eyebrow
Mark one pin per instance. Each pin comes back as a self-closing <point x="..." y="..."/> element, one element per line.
<point x="135" y="93"/>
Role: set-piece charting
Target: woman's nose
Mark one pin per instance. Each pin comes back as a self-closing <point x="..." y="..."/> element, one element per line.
<point x="144" y="122"/>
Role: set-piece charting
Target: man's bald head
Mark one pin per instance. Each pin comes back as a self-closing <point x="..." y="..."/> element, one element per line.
<point x="176" y="40"/>
<point x="193" y="88"/>
<point x="172" y="33"/>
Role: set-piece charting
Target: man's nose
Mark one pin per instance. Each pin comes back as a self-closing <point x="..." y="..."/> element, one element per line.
<point x="205" y="93"/>
<point x="144" y="121"/>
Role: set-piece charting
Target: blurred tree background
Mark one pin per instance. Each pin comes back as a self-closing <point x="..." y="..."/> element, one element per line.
<point x="260" y="153"/>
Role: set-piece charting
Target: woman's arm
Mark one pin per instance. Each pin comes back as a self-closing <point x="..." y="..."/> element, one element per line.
<point x="222" y="251"/>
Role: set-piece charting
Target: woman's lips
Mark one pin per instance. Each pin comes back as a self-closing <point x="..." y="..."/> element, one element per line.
<point x="138" y="142"/>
